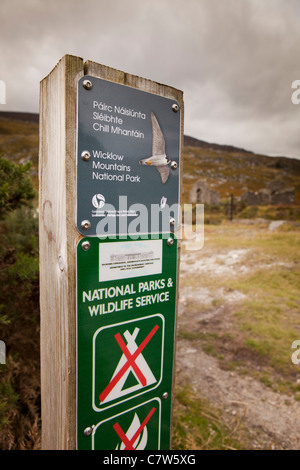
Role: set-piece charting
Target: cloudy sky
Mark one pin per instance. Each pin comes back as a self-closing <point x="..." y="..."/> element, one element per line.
<point x="235" y="60"/>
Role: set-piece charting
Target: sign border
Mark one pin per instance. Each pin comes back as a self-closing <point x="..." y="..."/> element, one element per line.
<point x="95" y="408"/>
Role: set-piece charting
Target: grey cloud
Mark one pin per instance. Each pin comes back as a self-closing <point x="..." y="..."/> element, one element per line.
<point x="234" y="60"/>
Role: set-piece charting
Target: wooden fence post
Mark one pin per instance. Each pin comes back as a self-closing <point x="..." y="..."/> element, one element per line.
<point x="59" y="237"/>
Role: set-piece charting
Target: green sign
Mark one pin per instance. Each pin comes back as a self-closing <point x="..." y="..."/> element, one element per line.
<point x="126" y="303"/>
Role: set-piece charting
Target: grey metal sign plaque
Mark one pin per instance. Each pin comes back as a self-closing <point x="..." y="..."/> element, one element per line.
<point x="128" y="151"/>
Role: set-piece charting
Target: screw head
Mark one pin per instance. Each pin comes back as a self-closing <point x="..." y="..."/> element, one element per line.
<point x="85" y="155"/>
<point x="175" y="107"/>
<point x="174" y="165"/>
<point x="85" y="224"/>
<point x="88" y="431"/>
<point x="170" y="241"/>
<point x="165" y="395"/>
<point x="87" y="84"/>
<point x="85" y="246"/>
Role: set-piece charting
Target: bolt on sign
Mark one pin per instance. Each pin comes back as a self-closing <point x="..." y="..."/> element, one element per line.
<point x="128" y="150"/>
<point x="126" y="303"/>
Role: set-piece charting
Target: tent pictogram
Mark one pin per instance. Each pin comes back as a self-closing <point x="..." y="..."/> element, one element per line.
<point x="131" y="361"/>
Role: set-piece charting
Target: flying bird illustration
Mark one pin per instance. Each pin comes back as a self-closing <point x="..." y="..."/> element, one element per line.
<point x="159" y="158"/>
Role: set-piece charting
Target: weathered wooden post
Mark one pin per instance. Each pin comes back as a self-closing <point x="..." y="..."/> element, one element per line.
<point x="108" y="267"/>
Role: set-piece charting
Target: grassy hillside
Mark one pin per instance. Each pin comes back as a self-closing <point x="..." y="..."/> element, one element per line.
<point x="231" y="170"/>
<point x="239" y="299"/>
<point x="227" y="169"/>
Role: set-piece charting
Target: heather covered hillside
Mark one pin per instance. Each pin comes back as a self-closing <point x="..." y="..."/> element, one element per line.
<point x="238" y="313"/>
<point x="230" y="170"/>
<point x="225" y="169"/>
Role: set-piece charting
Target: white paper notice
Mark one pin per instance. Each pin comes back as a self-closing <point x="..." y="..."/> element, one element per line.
<point x="122" y="260"/>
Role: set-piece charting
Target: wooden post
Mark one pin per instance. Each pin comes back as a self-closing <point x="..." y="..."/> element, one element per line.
<point x="59" y="237"/>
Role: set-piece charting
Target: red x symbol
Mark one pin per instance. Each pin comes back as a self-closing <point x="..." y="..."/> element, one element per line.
<point x="129" y="443"/>
<point x="130" y="362"/>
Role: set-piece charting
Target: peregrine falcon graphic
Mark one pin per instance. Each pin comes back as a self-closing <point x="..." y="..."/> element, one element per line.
<point x="159" y="158"/>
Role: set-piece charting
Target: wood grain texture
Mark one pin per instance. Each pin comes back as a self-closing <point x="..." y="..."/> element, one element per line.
<point x="57" y="171"/>
<point x="59" y="237"/>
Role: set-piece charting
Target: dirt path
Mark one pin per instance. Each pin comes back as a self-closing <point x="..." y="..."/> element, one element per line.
<point x="271" y="420"/>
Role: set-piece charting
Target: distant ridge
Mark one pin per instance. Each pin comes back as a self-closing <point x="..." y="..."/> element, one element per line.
<point x="193" y="142"/>
<point x="275" y="161"/>
<point x="227" y="169"/>
<point x="279" y="162"/>
<point x="28" y="117"/>
<point x="188" y="141"/>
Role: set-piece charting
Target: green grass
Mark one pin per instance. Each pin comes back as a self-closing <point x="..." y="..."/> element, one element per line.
<point x="197" y="425"/>
<point x="265" y="323"/>
<point x="269" y="318"/>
